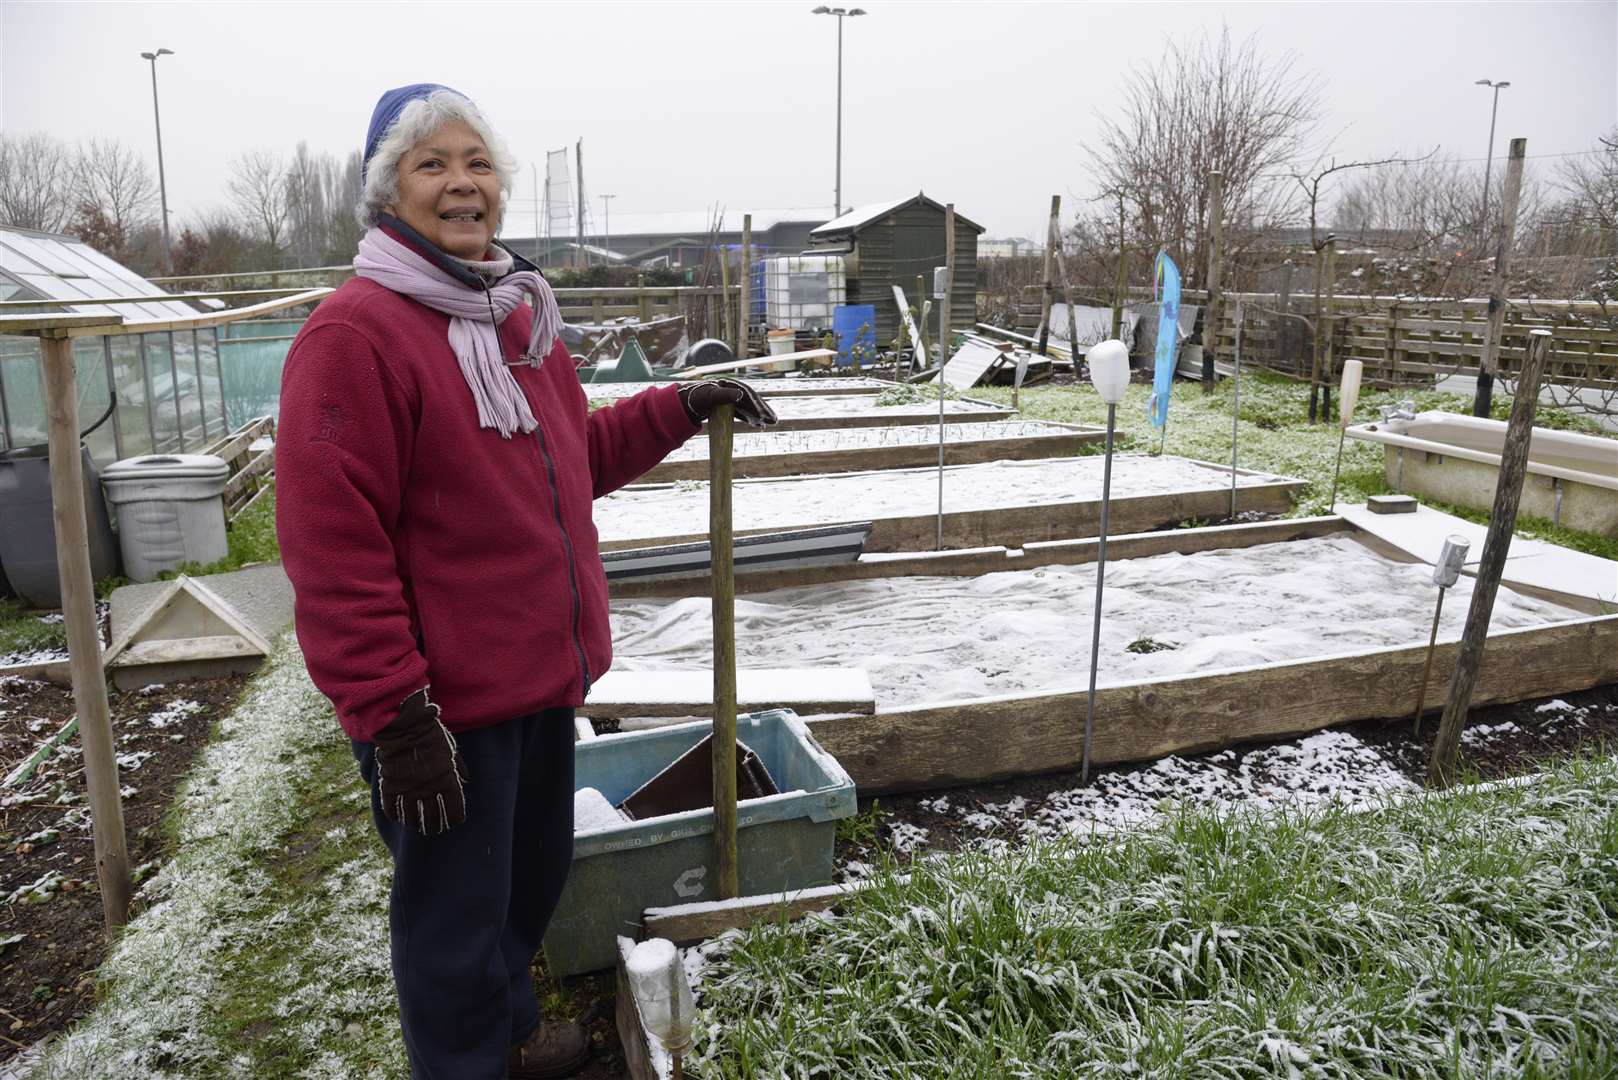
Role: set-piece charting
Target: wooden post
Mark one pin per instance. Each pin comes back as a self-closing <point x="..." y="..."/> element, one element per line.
<point x="1496" y="544"/>
<point x="1489" y="360"/>
<point x="1050" y="255"/>
<point x="1284" y="328"/>
<point x="1329" y="328"/>
<point x="721" y="426"/>
<point x="944" y="337"/>
<point x="643" y="301"/>
<point x="1391" y="346"/>
<point x="582" y="256"/>
<point x="1072" y="317"/>
<point x="1314" y="336"/>
<point x="922" y="356"/>
<point x="1119" y="281"/>
<point x="83" y="633"/>
<point x="1210" y="318"/>
<point x="746" y="282"/>
<point x="726" y="332"/>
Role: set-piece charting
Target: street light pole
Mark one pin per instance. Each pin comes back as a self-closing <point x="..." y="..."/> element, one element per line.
<point x="837" y="204"/>
<point x="162" y="182"/>
<point x="1488" y="162"/>
<point x="606" y="220"/>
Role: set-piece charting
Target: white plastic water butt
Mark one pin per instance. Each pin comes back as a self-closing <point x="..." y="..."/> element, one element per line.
<point x="170" y="511"/>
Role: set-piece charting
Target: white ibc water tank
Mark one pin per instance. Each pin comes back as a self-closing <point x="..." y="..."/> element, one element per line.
<point x="170" y="511"/>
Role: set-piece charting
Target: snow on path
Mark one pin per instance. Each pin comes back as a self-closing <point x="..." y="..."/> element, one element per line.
<point x="682" y="509"/>
<point x="931" y="639"/>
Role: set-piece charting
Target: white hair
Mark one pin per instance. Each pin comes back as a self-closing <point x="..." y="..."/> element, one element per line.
<point x="418" y="120"/>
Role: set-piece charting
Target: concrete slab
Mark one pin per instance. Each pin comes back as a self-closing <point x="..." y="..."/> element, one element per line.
<point x="262" y="595"/>
<point x="1535" y="564"/>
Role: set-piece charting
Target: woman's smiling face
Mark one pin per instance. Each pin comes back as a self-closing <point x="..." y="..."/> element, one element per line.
<point x="448" y="191"/>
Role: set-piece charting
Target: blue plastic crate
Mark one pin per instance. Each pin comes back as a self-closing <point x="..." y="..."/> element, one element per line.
<point x="783" y="841"/>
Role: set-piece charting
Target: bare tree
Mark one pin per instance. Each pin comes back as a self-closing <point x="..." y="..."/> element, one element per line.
<point x="1589" y="187"/>
<point x="36" y="182"/>
<point x="307" y="216"/>
<point x="343" y="184"/>
<point x="114" y="192"/>
<point x="259" y="189"/>
<point x="1208" y="104"/>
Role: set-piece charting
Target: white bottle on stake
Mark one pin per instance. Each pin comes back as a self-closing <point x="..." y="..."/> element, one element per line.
<point x="1347" y="395"/>
<point x="1109" y="373"/>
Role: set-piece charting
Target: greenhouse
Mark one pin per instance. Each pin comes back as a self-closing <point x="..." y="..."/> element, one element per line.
<point x="166" y="379"/>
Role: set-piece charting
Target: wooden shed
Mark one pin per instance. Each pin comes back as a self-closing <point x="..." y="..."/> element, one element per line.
<point x="889" y="244"/>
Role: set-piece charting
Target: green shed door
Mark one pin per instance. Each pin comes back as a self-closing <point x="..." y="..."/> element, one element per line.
<point x="917" y="249"/>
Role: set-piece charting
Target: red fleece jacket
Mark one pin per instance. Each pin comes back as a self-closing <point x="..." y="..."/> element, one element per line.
<point x="424" y="549"/>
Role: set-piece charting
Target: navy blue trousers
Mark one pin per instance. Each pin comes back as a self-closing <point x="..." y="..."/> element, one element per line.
<point x="470" y="906"/>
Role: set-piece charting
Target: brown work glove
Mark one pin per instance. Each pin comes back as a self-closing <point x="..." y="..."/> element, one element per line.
<point x="419" y="769"/>
<point x="702" y="398"/>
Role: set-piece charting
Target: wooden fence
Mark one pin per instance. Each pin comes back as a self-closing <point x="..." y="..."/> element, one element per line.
<point x="1407" y="340"/>
<point x="699" y="304"/>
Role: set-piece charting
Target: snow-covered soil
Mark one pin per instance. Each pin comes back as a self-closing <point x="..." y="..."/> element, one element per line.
<point x="682" y="509"/>
<point x="750" y="443"/>
<point x="931" y="639"/>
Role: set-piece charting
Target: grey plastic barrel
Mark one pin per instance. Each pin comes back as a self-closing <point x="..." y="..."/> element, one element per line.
<point x="170" y="510"/>
<point x="28" y="531"/>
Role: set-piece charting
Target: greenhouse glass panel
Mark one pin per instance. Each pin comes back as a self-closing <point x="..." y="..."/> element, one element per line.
<point x="90" y="373"/>
<point x="24" y="391"/>
<point x="134" y="425"/>
<point x="165" y="407"/>
<point x="192" y="422"/>
<point x="252" y="376"/>
<point x="213" y="391"/>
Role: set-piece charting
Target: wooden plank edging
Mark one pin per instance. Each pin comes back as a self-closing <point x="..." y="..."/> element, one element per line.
<point x="988" y="739"/>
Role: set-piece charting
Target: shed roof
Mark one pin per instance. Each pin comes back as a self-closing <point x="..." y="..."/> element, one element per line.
<point x="861" y="216"/>
<point x="62" y="271"/>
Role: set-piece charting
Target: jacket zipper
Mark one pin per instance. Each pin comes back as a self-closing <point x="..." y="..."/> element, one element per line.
<point x="561" y="526"/>
<point x="567" y="545"/>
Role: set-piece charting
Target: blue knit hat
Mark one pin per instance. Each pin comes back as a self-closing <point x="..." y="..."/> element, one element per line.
<point x="388" y="108"/>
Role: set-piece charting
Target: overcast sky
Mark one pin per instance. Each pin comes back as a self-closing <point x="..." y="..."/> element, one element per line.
<point x="682" y="105"/>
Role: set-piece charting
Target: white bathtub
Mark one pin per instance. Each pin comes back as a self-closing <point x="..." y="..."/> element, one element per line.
<point x="1572" y="479"/>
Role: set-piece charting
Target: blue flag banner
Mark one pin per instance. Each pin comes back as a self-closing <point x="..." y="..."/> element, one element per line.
<point x="1165" y="287"/>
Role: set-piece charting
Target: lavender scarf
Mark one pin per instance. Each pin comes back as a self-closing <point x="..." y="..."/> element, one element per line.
<point x="473" y="333"/>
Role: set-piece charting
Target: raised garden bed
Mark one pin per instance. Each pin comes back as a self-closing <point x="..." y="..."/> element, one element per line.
<point x="1002" y="502"/>
<point x="794" y="453"/>
<point x="982" y="678"/>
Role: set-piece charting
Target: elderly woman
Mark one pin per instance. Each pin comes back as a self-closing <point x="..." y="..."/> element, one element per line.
<point x="436" y="466"/>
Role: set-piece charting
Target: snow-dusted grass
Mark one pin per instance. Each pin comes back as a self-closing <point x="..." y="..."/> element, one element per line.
<point x="253" y="958"/>
<point x="1275" y="436"/>
<point x="1467" y="935"/>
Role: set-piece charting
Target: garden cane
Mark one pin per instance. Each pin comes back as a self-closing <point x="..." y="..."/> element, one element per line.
<point x="1346" y="397"/>
<point x="1109" y="371"/>
<point x="1446" y="572"/>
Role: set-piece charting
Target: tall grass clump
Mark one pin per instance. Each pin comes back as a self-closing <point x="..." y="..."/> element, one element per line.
<point x="1469" y="935"/>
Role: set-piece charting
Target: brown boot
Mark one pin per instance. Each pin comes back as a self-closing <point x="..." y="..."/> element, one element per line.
<point x="555" y="1049"/>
